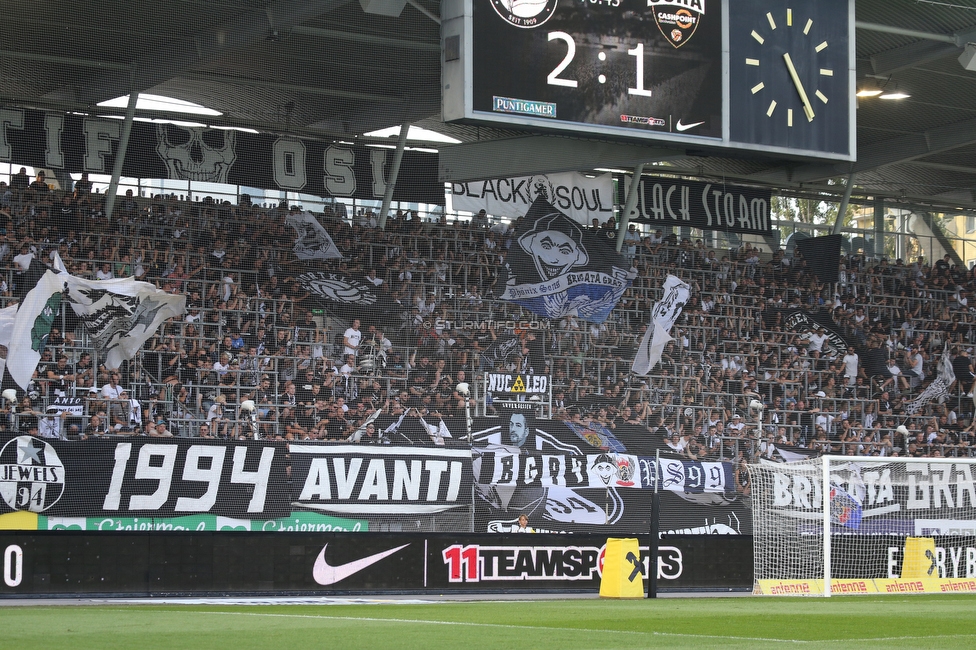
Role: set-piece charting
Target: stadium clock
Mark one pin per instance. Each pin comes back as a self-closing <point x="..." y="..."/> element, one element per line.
<point x="789" y="71"/>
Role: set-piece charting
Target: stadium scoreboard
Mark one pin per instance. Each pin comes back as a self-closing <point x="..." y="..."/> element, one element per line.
<point x="773" y="76"/>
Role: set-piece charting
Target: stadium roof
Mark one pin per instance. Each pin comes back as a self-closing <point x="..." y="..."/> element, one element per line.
<point x="327" y="69"/>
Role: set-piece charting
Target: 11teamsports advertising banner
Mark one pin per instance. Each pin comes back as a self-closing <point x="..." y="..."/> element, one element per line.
<point x="319" y="563"/>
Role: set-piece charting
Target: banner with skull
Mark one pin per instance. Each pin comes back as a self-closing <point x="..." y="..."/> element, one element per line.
<point x="75" y="143"/>
<point x="556" y="268"/>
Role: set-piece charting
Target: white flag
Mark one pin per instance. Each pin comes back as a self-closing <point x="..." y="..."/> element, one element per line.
<point x="32" y="326"/>
<point x="120" y="314"/>
<point x="663" y="316"/>
<point x="312" y="242"/>
<point x="651" y="349"/>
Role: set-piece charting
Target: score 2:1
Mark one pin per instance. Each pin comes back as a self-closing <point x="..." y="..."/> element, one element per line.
<point x="553" y="78"/>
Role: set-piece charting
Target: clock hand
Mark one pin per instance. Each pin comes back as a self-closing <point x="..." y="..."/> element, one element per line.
<point x="807" y="107"/>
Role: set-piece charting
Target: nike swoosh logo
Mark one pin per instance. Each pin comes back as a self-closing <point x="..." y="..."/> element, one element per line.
<point x="325" y="574"/>
<point x="685" y="127"/>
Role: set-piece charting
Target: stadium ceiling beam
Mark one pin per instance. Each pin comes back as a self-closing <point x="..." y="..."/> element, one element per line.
<point x="901" y="31"/>
<point x="369" y="39"/>
<point x="540" y="154"/>
<point x="64" y="60"/>
<point x="908" y="56"/>
<point x="900" y="149"/>
<point x="961" y="169"/>
<point x="930" y="46"/>
<point x="250" y="82"/>
<point x="170" y="60"/>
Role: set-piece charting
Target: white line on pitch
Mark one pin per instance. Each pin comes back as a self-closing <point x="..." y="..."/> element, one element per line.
<point x="550" y="629"/>
<point x="492" y="625"/>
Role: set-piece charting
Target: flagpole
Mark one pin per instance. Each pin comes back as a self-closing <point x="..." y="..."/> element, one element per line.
<point x="652" y="548"/>
<point x="394" y="174"/>
<point x="113" y="185"/>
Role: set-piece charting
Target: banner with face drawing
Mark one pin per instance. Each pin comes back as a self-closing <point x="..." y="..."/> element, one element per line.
<point x="556" y="268"/>
<point x="506" y="467"/>
<point x="568" y="477"/>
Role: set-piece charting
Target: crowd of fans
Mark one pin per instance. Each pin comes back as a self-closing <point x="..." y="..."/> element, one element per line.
<point x="833" y="366"/>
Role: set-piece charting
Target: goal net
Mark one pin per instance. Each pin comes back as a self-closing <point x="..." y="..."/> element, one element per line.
<point x="894" y="525"/>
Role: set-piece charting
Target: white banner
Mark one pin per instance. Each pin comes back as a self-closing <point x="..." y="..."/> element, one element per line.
<point x="120" y="314"/>
<point x="663" y="316"/>
<point x="312" y="242"/>
<point x="70" y="405"/>
<point x="580" y="197"/>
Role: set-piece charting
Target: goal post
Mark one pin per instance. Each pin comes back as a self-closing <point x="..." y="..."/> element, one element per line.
<point x="893" y="525"/>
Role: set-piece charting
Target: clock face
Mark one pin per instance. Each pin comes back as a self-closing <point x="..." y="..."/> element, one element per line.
<point x="790" y="74"/>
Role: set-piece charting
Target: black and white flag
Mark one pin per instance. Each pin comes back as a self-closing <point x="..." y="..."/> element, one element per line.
<point x="353" y="297"/>
<point x="663" y="316"/>
<point x="312" y="242"/>
<point x="120" y="314"/>
<point x="556" y="268"/>
<point x="938" y="389"/>
<point x="501" y="349"/>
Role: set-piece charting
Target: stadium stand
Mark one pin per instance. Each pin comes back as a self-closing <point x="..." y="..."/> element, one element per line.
<point x="253" y="332"/>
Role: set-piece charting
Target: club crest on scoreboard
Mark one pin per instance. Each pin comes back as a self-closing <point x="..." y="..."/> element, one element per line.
<point x="678" y="20"/>
<point x="525" y="13"/>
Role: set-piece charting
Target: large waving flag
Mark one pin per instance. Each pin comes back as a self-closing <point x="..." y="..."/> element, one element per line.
<point x="121" y="314"/>
<point x="312" y="242"/>
<point x="556" y="268"/>
<point x="663" y="316"/>
<point x="31" y="327"/>
<point x="938" y="389"/>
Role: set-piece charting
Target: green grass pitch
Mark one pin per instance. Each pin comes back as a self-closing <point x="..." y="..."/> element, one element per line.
<point x="901" y="622"/>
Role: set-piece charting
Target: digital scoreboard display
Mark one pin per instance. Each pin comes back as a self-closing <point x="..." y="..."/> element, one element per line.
<point x="615" y="63"/>
<point x="702" y="73"/>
